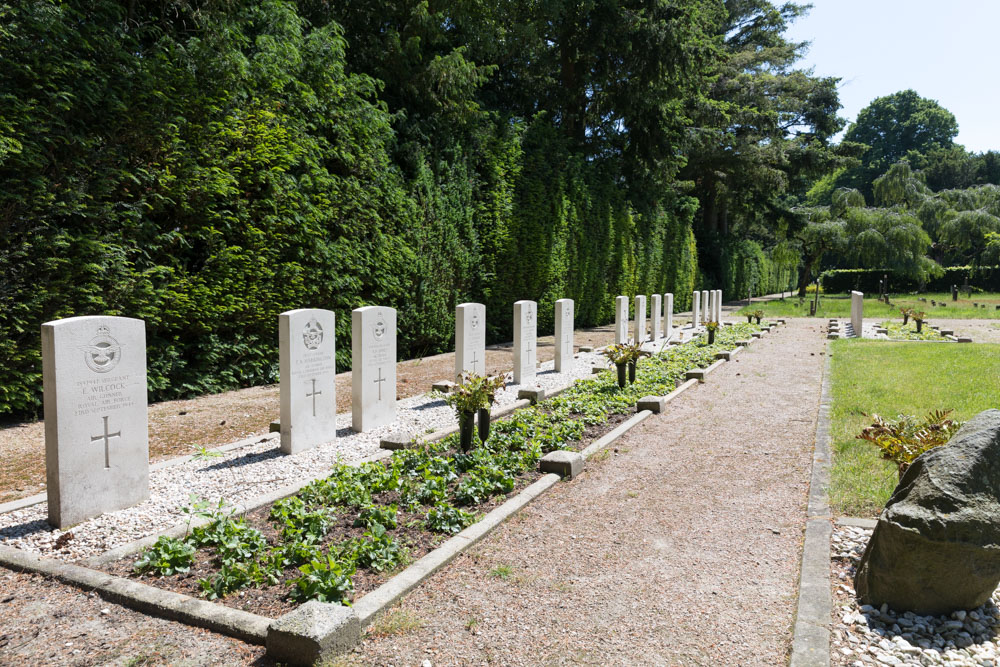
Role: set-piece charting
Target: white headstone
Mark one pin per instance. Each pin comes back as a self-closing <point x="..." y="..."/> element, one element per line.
<point x="696" y="309"/>
<point x="640" y="319"/>
<point x="706" y="314"/>
<point x="857" y="312"/>
<point x="525" y="338"/>
<point x="96" y="430"/>
<point x="656" y="307"/>
<point x="307" y="363"/>
<point x="373" y="367"/>
<point x="668" y="314"/>
<point x="718" y="305"/>
<point x="621" y="319"/>
<point x="564" y="335"/>
<point x="470" y="339"/>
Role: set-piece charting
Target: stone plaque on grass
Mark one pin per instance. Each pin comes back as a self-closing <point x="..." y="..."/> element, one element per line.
<point x="373" y="367"/>
<point x="564" y="335"/>
<point x="96" y="433"/>
<point x="470" y="339"/>
<point x="308" y="366"/>
<point x="525" y="337"/>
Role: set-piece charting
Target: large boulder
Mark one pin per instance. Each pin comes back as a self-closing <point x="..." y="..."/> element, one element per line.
<point x="936" y="548"/>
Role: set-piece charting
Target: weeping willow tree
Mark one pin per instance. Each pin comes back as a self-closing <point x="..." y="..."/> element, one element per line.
<point x="862" y="237"/>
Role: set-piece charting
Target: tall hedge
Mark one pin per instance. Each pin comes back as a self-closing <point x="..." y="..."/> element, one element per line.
<point x="208" y="167"/>
<point x="867" y="280"/>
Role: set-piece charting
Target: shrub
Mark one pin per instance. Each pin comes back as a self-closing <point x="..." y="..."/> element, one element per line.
<point x="904" y="439"/>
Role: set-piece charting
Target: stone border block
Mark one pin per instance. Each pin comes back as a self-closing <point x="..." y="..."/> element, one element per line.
<point x="533" y="395"/>
<point x="586" y="348"/>
<point x="564" y="463"/>
<point x="695" y="374"/>
<point x="274" y="427"/>
<point x="654" y="404"/>
<point x="314" y="631"/>
<point x="444" y="386"/>
<point x="757" y="334"/>
<point x="947" y="332"/>
<point x="743" y="343"/>
<point x="398" y="440"/>
<point x="964" y="339"/>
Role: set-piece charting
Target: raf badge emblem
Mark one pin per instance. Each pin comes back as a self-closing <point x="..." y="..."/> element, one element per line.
<point x="103" y="352"/>
<point x="312" y="335"/>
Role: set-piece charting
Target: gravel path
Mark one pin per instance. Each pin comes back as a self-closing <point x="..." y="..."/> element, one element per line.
<point x="681" y="547"/>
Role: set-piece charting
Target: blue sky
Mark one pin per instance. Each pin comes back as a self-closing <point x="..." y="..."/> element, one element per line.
<point x="947" y="51"/>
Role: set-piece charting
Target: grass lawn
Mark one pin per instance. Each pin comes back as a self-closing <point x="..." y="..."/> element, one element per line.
<point x="891" y="379"/>
<point x="839" y="305"/>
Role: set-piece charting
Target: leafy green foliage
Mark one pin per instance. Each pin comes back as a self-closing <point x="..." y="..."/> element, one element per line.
<point x="903" y="439"/>
<point x="165" y="557"/>
<point x="324" y="579"/>
<point x="375" y="550"/>
<point x="444" y="518"/>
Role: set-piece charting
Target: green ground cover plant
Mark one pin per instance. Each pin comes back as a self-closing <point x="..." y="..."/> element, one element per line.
<point x="437" y="489"/>
<point x="872" y="377"/>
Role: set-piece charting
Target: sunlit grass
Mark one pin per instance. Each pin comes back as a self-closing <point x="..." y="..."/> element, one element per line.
<point x="892" y="378"/>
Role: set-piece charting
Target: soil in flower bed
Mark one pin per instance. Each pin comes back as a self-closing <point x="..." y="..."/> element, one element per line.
<point x="274" y="600"/>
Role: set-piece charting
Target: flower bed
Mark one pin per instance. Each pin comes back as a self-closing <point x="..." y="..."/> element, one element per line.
<point x="908" y="331"/>
<point x="343" y="535"/>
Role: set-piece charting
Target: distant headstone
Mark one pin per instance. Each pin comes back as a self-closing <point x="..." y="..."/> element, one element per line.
<point x="696" y="309"/>
<point x="640" y="319"/>
<point x="307" y="363"/>
<point x="718" y="305"/>
<point x="857" y="312"/>
<point x="96" y="431"/>
<point x="621" y="319"/>
<point x="954" y="293"/>
<point x="470" y="339"/>
<point x="564" y="335"/>
<point x="668" y="314"/>
<point x="656" y="315"/>
<point x="373" y="367"/>
<point x="706" y="314"/>
<point x="525" y="338"/>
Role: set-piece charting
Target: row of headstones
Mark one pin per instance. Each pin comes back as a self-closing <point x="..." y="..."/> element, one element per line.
<point x="94" y="389"/>
<point x="707" y="303"/>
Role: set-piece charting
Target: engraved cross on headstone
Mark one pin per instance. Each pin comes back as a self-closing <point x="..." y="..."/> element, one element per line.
<point x="474" y="362"/>
<point x="379" y="382"/>
<point x="106" y="437"/>
<point x="313" y="395"/>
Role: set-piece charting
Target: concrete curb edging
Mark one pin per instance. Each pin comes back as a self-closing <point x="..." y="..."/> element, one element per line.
<point x="142" y="597"/>
<point x="811" y="639"/>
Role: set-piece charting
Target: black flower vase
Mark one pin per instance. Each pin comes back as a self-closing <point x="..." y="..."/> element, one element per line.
<point x="466" y="424"/>
<point x="711" y="336"/>
<point x="631" y="372"/>
<point x="484" y="424"/>
<point x="749" y="319"/>
<point x="621" y="375"/>
<point x="920" y="324"/>
<point x="758" y="320"/>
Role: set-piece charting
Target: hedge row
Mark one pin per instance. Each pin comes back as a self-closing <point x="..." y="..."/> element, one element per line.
<point x="867" y="280"/>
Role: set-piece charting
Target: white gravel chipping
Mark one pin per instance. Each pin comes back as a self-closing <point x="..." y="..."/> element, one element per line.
<point x="248" y="472"/>
<point x="863" y="635"/>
